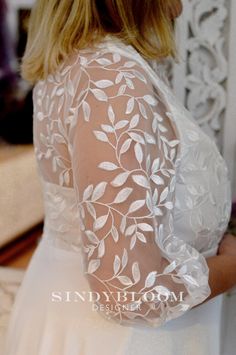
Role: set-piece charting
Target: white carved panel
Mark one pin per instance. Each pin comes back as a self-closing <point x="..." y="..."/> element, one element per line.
<point x="202" y="71"/>
<point x="229" y="137"/>
<point x="205" y="77"/>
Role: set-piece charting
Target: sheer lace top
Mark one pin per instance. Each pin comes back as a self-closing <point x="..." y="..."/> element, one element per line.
<point x="131" y="181"/>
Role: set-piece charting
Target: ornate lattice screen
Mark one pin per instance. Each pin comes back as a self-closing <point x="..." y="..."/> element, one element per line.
<point x="205" y="78"/>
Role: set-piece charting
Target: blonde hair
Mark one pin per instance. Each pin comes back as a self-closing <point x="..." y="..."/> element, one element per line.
<point x="58" y="27"/>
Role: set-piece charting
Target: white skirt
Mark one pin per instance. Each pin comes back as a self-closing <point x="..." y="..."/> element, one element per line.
<point x="39" y="326"/>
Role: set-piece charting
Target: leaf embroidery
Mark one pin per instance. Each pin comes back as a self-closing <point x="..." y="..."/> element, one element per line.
<point x="123" y="191"/>
<point x="93" y="265"/>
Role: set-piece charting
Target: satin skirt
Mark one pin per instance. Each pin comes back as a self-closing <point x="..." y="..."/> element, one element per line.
<point x="46" y="319"/>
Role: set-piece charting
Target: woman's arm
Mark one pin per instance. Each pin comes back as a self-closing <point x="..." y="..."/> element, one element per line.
<point x="122" y="144"/>
<point x="222" y="267"/>
<point x="222" y="275"/>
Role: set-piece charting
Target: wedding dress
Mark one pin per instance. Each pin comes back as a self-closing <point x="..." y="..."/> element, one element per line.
<point x="136" y="197"/>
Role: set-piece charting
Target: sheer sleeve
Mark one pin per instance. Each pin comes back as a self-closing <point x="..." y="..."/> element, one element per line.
<point x="124" y="147"/>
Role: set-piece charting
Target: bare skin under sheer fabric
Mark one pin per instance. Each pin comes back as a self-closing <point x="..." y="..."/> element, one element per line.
<point x="104" y="130"/>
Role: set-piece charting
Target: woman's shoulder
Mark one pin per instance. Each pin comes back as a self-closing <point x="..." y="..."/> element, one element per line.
<point x="106" y="66"/>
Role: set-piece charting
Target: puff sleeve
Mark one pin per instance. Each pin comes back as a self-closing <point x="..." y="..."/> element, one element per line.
<point x="124" y="146"/>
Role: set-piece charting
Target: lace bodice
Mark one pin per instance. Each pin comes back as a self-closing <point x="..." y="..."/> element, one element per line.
<point x="130" y="181"/>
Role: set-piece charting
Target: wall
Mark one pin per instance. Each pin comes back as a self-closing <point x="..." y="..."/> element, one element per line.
<point x="205" y="79"/>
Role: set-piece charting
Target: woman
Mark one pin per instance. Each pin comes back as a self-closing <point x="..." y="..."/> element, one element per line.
<point x="137" y="197"/>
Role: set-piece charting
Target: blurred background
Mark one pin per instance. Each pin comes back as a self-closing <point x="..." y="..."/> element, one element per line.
<point x="204" y="80"/>
<point x="21" y="208"/>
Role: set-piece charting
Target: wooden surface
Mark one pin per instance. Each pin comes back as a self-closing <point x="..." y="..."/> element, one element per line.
<point x="19" y="252"/>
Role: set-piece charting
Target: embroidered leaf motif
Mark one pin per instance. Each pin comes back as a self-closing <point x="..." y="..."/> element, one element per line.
<point x="134" y="121"/>
<point x="145" y="227"/>
<point x="60" y="162"/>
<point x="59" y="138"/>
<point x="182" y="270"/>
<point x="107" y="165"/>
<point x="136" y="137"/>
<point x="60" y="91"/>
<point x="116" y="58"/>
<point x="149" y="202"/>
<point x="70" y="88"/>
<point x="101" y="249"/>
<point x="136" y="272"/>
<point x="123" y="224"/>
<point x="116" y="264"/>
<point x="129" y="64"/>
<point x="165" y="172"/>
<point x="130" y="230"/>
<point x="114" y="233"/>
<point x="169" y="205"/>
<point x="149" y="138"/>
<point x="130" y="83"/>
<point x="133" y="241"/>
<point x="123" y="195"/>
<point x="125" y="280"/>
<point x="141" y="237"/>
<point x="136" y="205"/>
<point x="103" y="83"/>
<point x="164" y="194"/>
<point x="176" y="280"/>
<point x="101" y="136"/>
<point x="130" y="106"/>
<point x="40" y="116"/>
<point x="125" y="146"/>
<point x="86" y="110"/>
<point x="91" y="210"/>
<point x="157" y="211"/>
<point x="100" y="222"/>
<point x="169" y="268"/>
<point x="155" y="196"/>
<point x="99" y="190"/>
<point x="93" y="265"/>
<point x="121" y="124"/>
<point x="103" y="61"/>
<point x="150" y="279"/>
<point x="67" y="177"/>
<point x="143" y="110"/>
<point x="107" y="128"/>
<point x="138" y="152"/>
<point x="191" y="280"/>
<point x="141" y="180"/>
<point x="120" y="179"/>
<point x="122" y="89"/>
<point x="162" y="290"/>
<point x="111" y="114"/>
<point x="43" y="139"/>
<point x="99" y="94"/>
<point x="157" y="179"/>
<point x="140" y="76"/>
<point x="119" y="78"/>
<point x="148" y="162"/>
<point x="124" y="258"/>
<point x="173" y="143"/>
<point x="150" y="100"/>
<point x="92" y="236"/>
